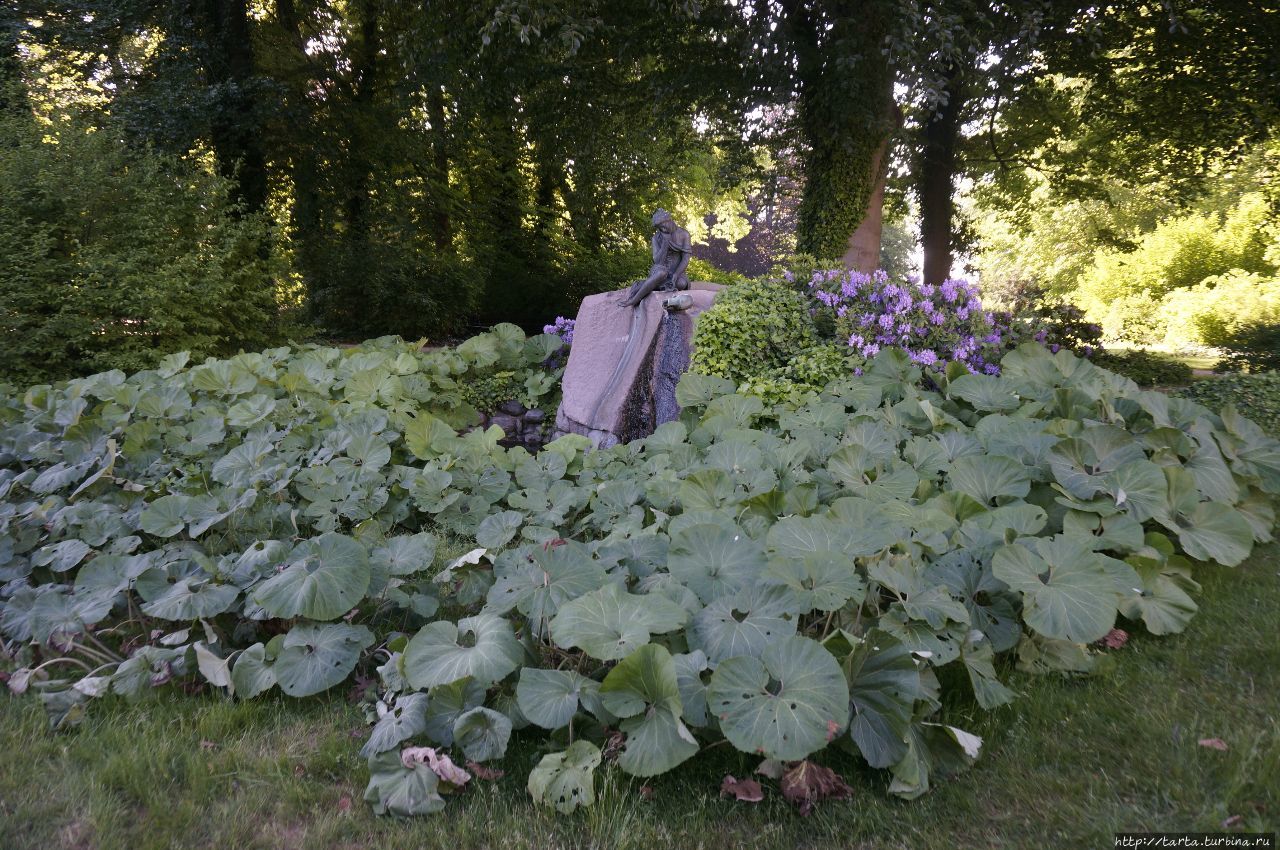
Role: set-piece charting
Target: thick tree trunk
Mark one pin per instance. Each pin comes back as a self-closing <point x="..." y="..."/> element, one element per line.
<point x="863" y="253"/>
<point x="13" y="92"/>
<point x="936" y="187"/>
<point x="847" y="116"/>
<point x="365" y="72"/>
<point x="236" y="133"/>
<point x="303" y="172"/>
<point x="441" y="225"/>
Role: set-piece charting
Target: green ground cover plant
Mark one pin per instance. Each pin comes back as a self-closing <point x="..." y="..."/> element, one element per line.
<point x="1146" y="368"/>
<point x="1256" y="396"/>
<point x="785" y="580"/>
<point x="1068" y="764"/>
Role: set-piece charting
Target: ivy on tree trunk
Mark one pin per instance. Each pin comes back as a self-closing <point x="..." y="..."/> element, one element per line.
<point x="846" y="116"/>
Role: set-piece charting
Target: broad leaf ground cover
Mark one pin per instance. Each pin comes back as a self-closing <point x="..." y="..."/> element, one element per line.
<point x="789" y="580"/>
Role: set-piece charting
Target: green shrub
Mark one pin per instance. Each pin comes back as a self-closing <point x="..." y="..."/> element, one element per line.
<point x="1183" y="251"/>
<point x="752" y="328"/>
<point x="1254" y="396"/>
<point x="1033" y="313"/>
<point x="1254" y="347"/>
<point x="703" y="270"/>
<point x="1134" y="318"/>
<point x="391" y="287"/>
<point x="1212" y="312"/>
<point x="112" y="257"/>
<point x="1145" y="368"/>
<point x="809" y="372"/>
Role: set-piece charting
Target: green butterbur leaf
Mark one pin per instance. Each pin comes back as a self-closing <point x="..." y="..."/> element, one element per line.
<point x="483" y="647"/>
<point x="565" y="781"/>
<point x="790" y="702"/>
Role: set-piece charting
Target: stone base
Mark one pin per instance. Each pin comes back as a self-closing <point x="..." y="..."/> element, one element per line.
<point x="611" y="361"/>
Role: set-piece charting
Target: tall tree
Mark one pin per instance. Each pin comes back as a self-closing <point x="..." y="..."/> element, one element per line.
<point x="830" y="59"/>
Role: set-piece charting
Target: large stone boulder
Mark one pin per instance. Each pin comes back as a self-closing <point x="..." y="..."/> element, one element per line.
<point x="620" y="380"/>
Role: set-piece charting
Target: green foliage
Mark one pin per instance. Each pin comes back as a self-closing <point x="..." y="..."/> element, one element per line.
<point x="1255" y="347"/>
<point x="788" y="578"/>
<point x="1218" y="309"/>
<point x="752" y="328"/>
<point x="1032" y="313"/>
<point x="112" y="257"/>
<point x="1256" y="396"/>
<point x="703" y="270"/>
<point x="1145" y="368"/>
<point x="808" y="372"/>
<point x="1167" y="285"/>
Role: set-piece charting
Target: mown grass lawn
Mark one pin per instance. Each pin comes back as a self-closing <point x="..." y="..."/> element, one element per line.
<point x="1066" y="765"/>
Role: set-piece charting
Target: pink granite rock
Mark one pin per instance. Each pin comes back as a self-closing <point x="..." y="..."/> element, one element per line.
<point x="611" y="346"/>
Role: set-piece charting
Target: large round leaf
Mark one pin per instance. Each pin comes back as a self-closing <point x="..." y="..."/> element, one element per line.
<point x="554" y="576"/>
<point x="743" y="624"/>
<point x="166" y="516"/>
<point x="820" y="581"/>
<point x="883" y="684"/>
<point x="983" y="392"/>
<point x="446" y="703"/>
<point x="550" y="698"/>
<point x="483" y="647"/>
<point x="406" y="717"/>
<point x="1140" y="488"/>
<point x="1161" y="600"/>
<point x="797" y="536"/>
<point x="253" y="673"/>
<point x="610" y="623"/>
<point x="790" y="702"/>
<point x="1067" y="592"/>
<point x="992" y="607"/>
<point x="987" y="478"/>
<point x="482" y="733"/>
<point x="317" y="656"/>
<point x="1216" y="532"/>
<point x="496" y="530"/>
<point x="191" y="598"/>
<point x="326" y="577"/>
<point x="714" y="561"/>
<point x="643" y="689"/>
<point x="406" y="554"/>
<point x="566" y="780"/>
<point x="402" y="791"/>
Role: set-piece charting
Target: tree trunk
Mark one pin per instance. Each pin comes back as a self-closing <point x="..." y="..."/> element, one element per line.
<point x="365" y="72"/>
<point x="936" y="187"/>
<point x="441" y="225"/>
<point x="13" y="92"/>
<point x="863" y="253"/>
<point x="236" y="133"/>
<point x="303" y="173"/>
<point x="846" y="115"/>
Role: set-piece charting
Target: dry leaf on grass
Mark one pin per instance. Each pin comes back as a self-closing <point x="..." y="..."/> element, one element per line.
<point x="807" y="784"/>
<point x="744" y="790"/>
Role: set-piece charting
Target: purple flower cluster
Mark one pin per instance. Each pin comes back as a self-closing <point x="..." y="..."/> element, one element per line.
<point x="562" y="328"/>
<point x="934" y="325"/>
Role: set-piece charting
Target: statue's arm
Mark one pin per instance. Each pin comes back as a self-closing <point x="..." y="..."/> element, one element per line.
<point x="684" y="245"/>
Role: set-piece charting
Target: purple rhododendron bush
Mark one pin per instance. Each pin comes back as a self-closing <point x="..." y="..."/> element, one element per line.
<point x="779" y="577"/>
<point x="934" y="325"/>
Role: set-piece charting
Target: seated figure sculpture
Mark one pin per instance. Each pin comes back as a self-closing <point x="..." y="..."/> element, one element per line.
<point x="672" y="249"/>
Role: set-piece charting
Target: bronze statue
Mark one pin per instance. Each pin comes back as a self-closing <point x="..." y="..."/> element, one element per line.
<point x="672" y="249"/>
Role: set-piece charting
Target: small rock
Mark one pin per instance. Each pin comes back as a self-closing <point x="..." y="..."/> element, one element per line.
<point x="508" y="424"/>
<point x="512" y="408"/>
<point x="534" y="415"/>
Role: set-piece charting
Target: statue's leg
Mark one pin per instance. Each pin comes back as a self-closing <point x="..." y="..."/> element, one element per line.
<point x="643" y="288"/>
